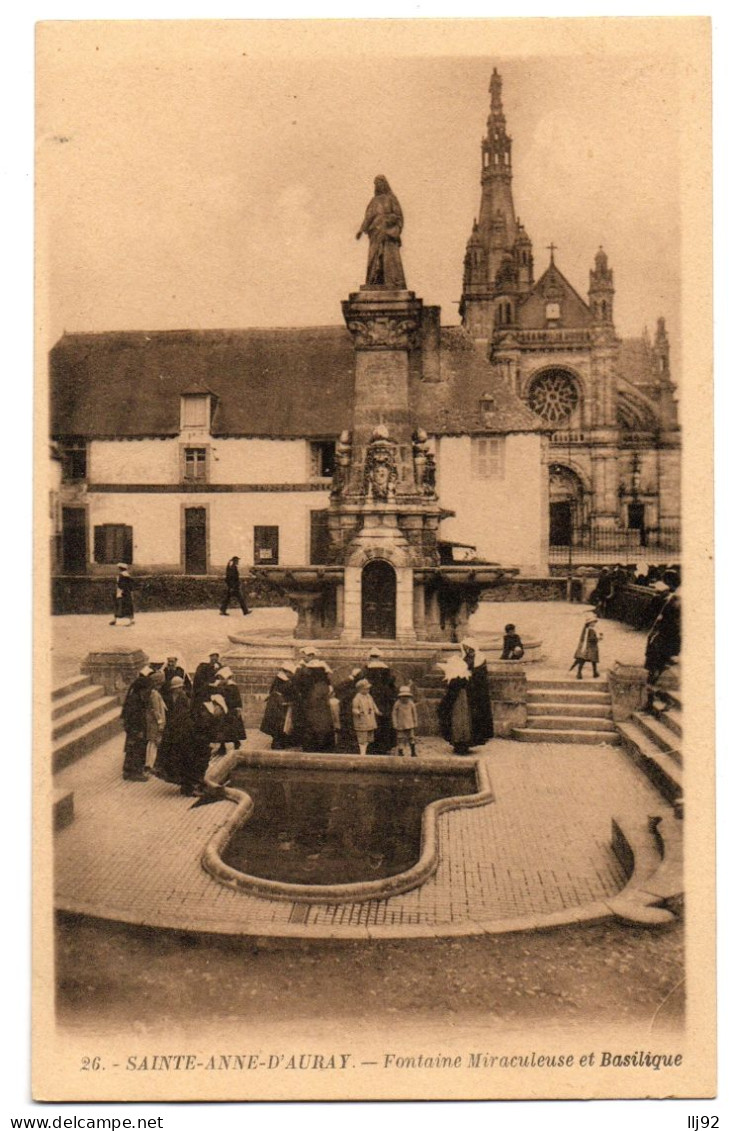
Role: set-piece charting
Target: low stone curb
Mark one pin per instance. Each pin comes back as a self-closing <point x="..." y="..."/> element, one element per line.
<point x="364" y="890"/>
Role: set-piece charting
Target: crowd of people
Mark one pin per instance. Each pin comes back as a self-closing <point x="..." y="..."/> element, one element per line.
<point x="174" y="724"/>
<point x="612" y="580"/>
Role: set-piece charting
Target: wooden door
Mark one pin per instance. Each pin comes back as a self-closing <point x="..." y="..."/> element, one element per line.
<point x="560" y="524"/>
<point x="74" y="539"/>
<point x="196" y="541"/>
<point x="379" y="600"/>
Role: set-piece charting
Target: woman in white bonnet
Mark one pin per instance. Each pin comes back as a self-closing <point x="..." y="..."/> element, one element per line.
<point x="464" y="712"/>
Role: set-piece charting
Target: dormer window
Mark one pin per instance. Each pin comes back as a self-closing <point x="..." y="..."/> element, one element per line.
<point x="552" y="312"/>
<point x="321" y="459"/>
<point x="486" y="405"/>
<point x="195" y="412"/>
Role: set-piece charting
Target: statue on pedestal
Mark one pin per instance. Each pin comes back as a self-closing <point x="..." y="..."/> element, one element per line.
<point x="342" y="462"/>
<point x="383" y="224"/>
<point x="420" y="459"/>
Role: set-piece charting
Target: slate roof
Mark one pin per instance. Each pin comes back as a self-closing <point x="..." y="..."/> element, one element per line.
<point x="267" y="382"/>
<point x="636" y="362"/>
<point x="574" y="311"/>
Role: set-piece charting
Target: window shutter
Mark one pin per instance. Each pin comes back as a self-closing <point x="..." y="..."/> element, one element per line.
<point x="99" y="544"/>
<point x="127" y="545"/>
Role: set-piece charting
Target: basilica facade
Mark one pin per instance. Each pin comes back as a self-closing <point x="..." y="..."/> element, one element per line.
<point x="614" y="451"/>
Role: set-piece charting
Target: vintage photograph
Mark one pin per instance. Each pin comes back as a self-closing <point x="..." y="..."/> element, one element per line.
<point x="388" y="343"/>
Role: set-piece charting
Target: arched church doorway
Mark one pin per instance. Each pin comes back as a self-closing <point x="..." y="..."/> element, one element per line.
<point x="379" y="600"/>
<point x="566" y="506"/>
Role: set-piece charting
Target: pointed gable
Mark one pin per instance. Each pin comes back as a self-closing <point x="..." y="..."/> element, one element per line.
<point x="552" y="287"/>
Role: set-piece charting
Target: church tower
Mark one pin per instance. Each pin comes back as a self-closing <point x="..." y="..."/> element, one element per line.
<point x="498" y="264"/>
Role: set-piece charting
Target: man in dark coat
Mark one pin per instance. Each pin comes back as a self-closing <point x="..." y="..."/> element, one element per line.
<point x="464" y="712"/>
<point x="204" y="676"/>
<point x="123" y="599"/>
<point x="233" y="591"/>
<point x="664" y="638"/>
<point x="134" y="721"/>
<point x="174" y="670"/>
<point x="384" y="692"/>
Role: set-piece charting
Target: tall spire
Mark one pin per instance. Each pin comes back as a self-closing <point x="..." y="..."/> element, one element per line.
<point x="496" y="146"/>
<point x="497" y="236"/>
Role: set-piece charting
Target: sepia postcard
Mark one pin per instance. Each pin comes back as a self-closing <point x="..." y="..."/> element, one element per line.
<point x="388" y="342"/>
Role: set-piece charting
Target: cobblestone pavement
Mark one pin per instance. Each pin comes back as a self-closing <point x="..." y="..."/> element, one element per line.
<point x="539" y="854"/>
<point x="191" y="634"/>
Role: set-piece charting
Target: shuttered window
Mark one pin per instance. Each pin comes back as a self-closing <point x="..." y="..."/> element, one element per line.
<point x="113" y="543"/>
<point x="487" y="457"/>
<point x="195" y="465"/>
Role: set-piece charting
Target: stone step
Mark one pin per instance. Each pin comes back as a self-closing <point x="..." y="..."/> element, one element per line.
<point x="568" y="683"/>
<point x="659" y="734"/>
<point x="658" y="766"/>
<point x="77" y="699"/>
<point x="672" y="720"/>
<point x="84" y="714"/>
<point x="62" y="808"/>
<point x="568" y="722"/>
<point x="551" y="696"/>
<point x="673" y="697"/>
<point x="588" y="737"/>
<point x="73" y="746"/>
<point x="71" y="687"/>
<point x="574" y="710"/>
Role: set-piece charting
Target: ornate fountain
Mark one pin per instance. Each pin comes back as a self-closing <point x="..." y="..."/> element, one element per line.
<point x="384" y="580"/>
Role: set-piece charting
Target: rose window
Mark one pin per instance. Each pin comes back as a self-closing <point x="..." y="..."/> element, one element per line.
<point x="553" y="396"/>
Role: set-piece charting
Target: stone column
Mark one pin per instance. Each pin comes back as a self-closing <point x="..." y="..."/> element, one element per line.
<point x="352" y="610"/>
<point x="385" y="325"/>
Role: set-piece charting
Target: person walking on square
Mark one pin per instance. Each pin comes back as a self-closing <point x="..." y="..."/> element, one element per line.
<point x="123" y="597"/>
<point x="587" y="651"/>
<point x="405" y="720"/>
<point x="134" y="721"/>
<point x="156" y="716"/>
<point x="364" y="714"/>
<point x="233" y="590"/>
<point x="513" y="648"/>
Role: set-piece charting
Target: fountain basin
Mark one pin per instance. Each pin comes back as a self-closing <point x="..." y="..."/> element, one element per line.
<point x="368" y="823"/>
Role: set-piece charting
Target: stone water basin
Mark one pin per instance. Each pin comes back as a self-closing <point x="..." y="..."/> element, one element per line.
<point x="332" y="828"/>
